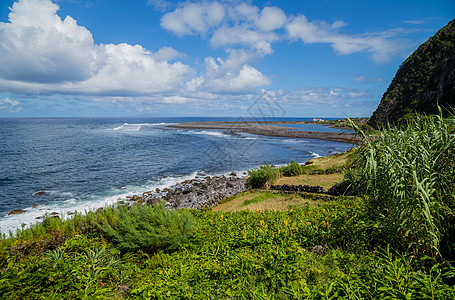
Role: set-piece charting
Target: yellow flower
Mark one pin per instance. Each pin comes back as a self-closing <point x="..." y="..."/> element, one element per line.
<point x="286" y="222"/>
<point x="261" y="222"/>
<point x="323" y="211"/>
<point x="221" y="217"/>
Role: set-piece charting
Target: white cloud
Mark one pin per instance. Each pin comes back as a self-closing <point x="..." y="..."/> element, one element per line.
<point x="312" y="96"/>
<point x="168" y="53"/>
<point x="380" y="46"/>
<point x="228" y="77"/>
<point x="234" y="24"/>
<point x="160" y="5"/>
<point x="271" y="18"/>
<point x="9" y="105"/>
<point x="360" y="78"/>
<point x="193" y="18"/>
<point x="37" y="46"/>
<point x="228" y="25"/>
<point x="43" y="54"/>
<point x="240" y="35"/>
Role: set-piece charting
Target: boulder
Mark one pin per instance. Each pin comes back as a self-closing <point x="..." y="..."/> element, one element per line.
<point x="40" y="193"/>
<point x="16" y="212"/>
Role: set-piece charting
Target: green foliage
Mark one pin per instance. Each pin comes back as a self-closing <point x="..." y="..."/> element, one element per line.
<point x="409" y="175"/>
<point x="262" y="176"/>
<point x="149" y="228"/>
<point x="241" y="255"/>
<point x="291" y="169"/>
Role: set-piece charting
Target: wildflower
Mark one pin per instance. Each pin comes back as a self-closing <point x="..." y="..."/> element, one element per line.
<point x="323" y="211"/>
<point x="286" y="222"/>
<point x="221" y="217"/>
<point x="261" y="222"/>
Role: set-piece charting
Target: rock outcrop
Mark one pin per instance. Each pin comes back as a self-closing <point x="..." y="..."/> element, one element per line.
<point x="424" y="80"/>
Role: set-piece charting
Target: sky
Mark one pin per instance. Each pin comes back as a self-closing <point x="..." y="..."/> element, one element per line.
<point x="158" y="58"/>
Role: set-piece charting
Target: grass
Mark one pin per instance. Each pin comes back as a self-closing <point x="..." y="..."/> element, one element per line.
<point x="326" y="181"/>
<point x="264" y="200"/>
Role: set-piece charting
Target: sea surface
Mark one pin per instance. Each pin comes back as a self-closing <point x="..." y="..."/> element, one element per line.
<point x="86" y="163"/>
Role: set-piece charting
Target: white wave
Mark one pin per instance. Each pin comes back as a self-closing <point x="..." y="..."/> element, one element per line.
<point x="111" y="197"/>
<point x="211" y="133"/>
<point x="137" y="127"/>
<point x="315" y="155"/>
<point x="71" y="204"/>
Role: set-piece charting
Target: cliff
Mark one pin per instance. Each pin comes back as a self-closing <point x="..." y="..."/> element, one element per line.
<point x="424" y="80"/>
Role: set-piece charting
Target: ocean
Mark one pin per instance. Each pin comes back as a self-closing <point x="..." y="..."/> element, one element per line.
<point x="86" y="163"/>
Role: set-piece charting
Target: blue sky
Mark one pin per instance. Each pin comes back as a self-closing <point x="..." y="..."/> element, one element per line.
<point x="100" y="58"/>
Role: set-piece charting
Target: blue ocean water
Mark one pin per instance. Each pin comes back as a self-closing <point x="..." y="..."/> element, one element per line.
<point x="86" y="163"/>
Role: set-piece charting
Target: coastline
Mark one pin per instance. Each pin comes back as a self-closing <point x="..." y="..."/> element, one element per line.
<point x="186" y="192"/>
<point x="264" y="128"/>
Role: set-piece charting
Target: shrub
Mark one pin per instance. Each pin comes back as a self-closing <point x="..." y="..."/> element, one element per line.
<point x="262" y="176"/>
<point x="291" y="169"/>
<point x="149" y="228"/>
<point x="409" y="175"/>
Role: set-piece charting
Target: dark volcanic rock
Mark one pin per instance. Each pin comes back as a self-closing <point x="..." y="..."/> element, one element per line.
<point x="201" y="194"/>
<point x="425" y="79"/>
<point x="298" y="188"/>
<point x="341" y="188"/>
<point x="16" y="212"/>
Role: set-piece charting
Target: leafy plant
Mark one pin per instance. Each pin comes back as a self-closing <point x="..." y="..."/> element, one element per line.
<point x="291" y="169"/>
<point x="409" y="175"/>
<point x="149" y="228"/>
<point x="262" y="176"/>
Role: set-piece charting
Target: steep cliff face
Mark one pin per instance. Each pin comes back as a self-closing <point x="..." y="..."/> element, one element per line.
<point x="425" y="78"/>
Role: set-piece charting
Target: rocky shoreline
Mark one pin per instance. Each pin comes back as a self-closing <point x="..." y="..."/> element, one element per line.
<point x="196" y="193"/>
<point x="264" y="128"/>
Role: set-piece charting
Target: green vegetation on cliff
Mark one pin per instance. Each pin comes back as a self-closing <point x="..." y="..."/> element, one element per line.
<point x="425" y="78"/>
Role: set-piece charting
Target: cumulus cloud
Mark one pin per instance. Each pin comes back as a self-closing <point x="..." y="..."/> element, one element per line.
<point x="271" y="18"/>
<point x="193" y="18"/>
<point x="8" y="105"/>
<point x="240" y="35"/>
<point x="41" y="53"/>
<point x="380" y="46"/>
<point x="37" y="46"/>
<point x="233" y="24"/>
<point x="228" y="77"/>
<point x="228" y="25"/>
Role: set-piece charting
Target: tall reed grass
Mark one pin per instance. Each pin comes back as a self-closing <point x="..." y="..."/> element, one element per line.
<point x="408" y="172"/>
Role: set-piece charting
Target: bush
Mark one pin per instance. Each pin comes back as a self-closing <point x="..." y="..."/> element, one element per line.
<point x="409" y="175"/>
<point x="291" y="169"/>
<point x="149" y="228"/>
<point x="262" y="176"/>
